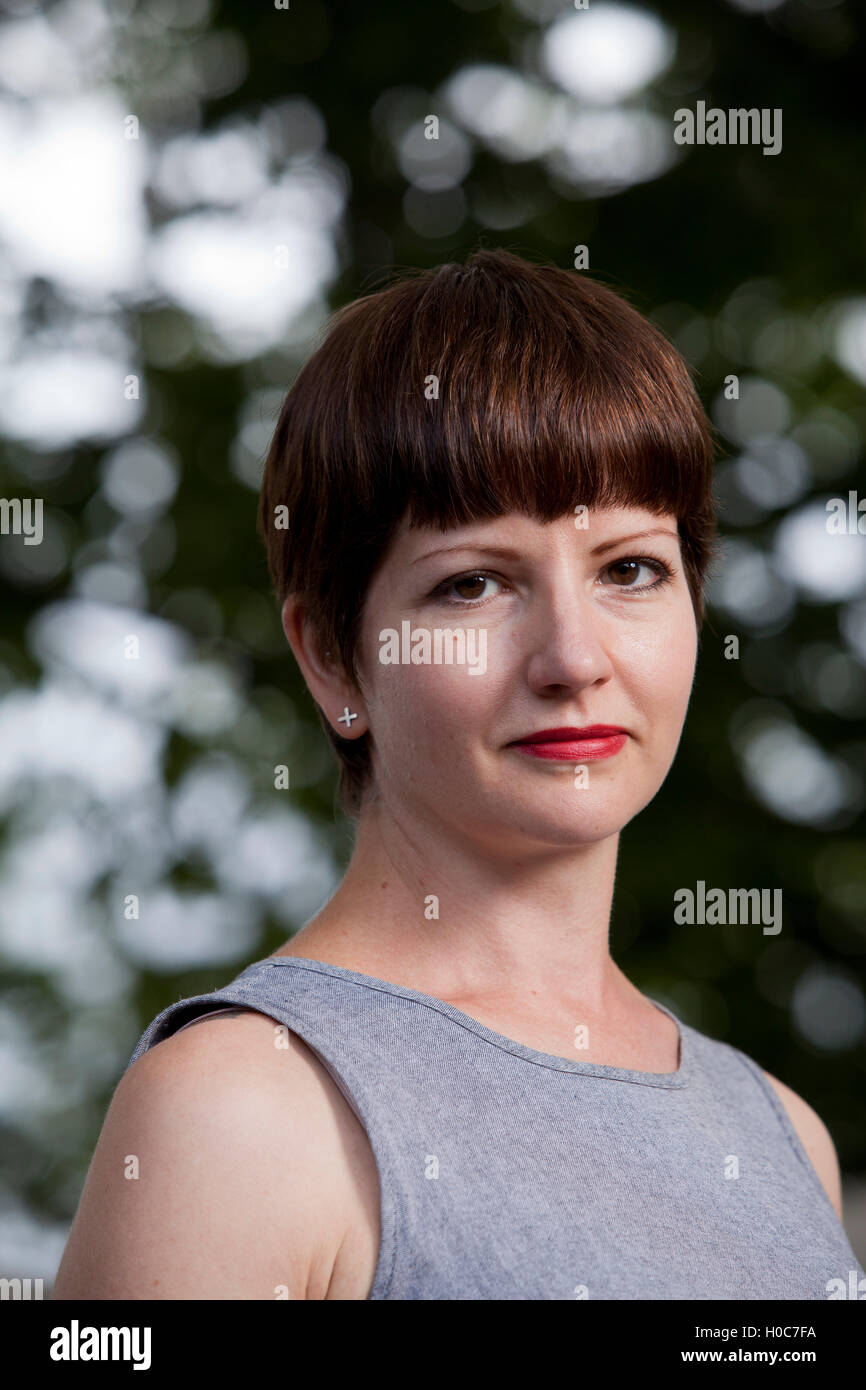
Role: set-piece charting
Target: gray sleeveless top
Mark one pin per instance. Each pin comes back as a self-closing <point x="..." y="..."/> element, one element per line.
<point x="507" y="1173"/>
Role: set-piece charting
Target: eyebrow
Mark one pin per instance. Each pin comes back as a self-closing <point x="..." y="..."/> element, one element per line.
<point x="507" y="552"/>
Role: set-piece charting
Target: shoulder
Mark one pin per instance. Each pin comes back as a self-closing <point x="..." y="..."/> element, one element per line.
<point x="225" y="1169"/>
<point x="815" y="1138"/>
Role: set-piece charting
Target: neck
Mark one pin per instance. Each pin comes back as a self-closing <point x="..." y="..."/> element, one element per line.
<point x="421" y="904"/>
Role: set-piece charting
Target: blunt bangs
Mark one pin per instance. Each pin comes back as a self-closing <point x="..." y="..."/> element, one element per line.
<point x="551" y="394"/>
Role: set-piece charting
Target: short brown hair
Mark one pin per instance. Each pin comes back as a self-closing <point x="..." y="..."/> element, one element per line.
<point x="552" y="391"/>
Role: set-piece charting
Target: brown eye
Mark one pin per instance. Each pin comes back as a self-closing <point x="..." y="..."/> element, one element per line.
<point x="471" y="586"/>
<point x="624" y="571"/>
<point x="468" y="590"/>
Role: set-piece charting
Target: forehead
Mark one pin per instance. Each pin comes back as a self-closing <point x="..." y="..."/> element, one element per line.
<point x="517" y="530"/>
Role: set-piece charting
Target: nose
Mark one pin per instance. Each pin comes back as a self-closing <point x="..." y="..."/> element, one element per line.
<point x="567" y="645"/>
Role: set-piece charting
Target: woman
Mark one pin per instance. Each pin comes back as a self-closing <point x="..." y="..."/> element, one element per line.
<point x="488" y="514"/>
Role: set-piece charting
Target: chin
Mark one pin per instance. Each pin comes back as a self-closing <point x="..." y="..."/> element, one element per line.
<point x="545" y="818"/>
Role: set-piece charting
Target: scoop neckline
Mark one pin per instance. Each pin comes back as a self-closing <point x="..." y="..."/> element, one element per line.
<point x="666" y="1079"/>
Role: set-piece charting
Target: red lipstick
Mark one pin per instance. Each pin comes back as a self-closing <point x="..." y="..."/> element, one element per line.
<point x="573" y="745"/>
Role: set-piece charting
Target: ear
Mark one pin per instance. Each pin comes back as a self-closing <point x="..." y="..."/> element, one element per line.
<point x="335" y="695"/>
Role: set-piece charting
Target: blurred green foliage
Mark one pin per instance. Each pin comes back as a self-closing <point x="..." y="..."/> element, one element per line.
<point x="745" y="260"/>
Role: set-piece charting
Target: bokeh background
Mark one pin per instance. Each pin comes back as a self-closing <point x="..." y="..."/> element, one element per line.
<point x="162" y="279"/>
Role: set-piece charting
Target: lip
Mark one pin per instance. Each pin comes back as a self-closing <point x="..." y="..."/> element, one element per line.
<point x="570" y="744"/>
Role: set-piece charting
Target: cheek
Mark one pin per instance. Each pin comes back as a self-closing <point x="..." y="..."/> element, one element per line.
<point x="660" y="668"/>
<point x="432" y="705"/>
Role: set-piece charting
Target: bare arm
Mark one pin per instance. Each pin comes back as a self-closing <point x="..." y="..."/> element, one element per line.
<point x="219" y="1173"/>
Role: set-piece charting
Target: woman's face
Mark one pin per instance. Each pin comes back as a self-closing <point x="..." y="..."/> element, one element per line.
<point x="580" y="622"/>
